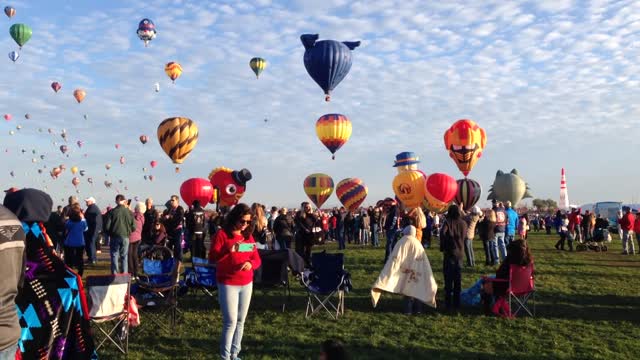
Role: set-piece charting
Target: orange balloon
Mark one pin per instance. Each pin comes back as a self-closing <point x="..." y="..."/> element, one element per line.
<point x="79" y="94"/>
<point x="465" y="140"/>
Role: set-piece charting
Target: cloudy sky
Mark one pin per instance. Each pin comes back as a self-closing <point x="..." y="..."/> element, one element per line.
<point x="554" y="84"/>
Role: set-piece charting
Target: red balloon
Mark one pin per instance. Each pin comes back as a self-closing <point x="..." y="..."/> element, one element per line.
<point x="153" y="163"/>
<point x="441" y="187"/>
<point x="196" y="189"/>
<point x="7" y="117"/>
<point x="56" y="86"/>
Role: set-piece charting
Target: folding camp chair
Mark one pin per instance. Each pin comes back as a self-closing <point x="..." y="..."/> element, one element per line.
<point x="109" y="308"/>
<point x="201" y="276"/>
<point x="273" y="273"/>
<point x="326" y="279"/>
<point x="521" y="289"/>
<point x="157" y="287"/>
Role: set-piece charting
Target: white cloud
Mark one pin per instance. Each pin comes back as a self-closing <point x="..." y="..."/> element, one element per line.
<point x="484" y="29"/>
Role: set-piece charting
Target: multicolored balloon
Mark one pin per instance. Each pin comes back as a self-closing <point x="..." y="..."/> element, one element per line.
<point x="328" y="61"/>
<point x="318" y="188"/>
<point x="56" y="86"/>
<point x="333" y="130"/>
<point x="465" y="140"/>
<point x="173" y="70"/>
<point x="64" y="149"/>
<point x="146" y="31"/>
<point x="79" y="94"/>
<point x="258" y="65"/>
<point x="14" y="55"/>
<point x="20" y="33"/>
<point x="351" y="192"/>
<point x="469" y="192"/>
<point x="144" y="139"/>
<point x="178" y="136"/>
<point x="229" y="185"/>
<point x="10" y="11"/>
<point x="409" y="187"/>
<point x="196" y="189"/>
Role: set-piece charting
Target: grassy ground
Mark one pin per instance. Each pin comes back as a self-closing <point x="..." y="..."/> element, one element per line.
<point x="587" y="307"/>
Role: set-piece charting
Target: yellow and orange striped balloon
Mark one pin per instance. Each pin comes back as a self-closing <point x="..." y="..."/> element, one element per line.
<point x="173" y="70"/>
<point x="333" y="130"/>
<point x="177" y="136"/>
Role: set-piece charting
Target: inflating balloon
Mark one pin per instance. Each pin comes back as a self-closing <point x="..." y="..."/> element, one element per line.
<point x="229" y="185"/>
<point x="79" y="94"/>
<point x="318" y="188"/>
<point x="469" y="192"/>
<point x="173" y="70"/>
<point x="144" y="139"/>
<point x="56" y="86"/>
<point x="196" y="189"/>
<point x="257" y="65"/>
<point x="9" y="11"/>
<point x="14" y="55"/>
<point x="178" y="136"/>
<point x="465" y="140"/>
<point x="333" y="130"/>
<point x="351" y="192"/>
<point x="440" y="189"/>
<point x="509" y="187"/>
<point x="409" y="187"/>
<point x="146" y="31"/>
<point x="20" y="33"/>
<point x="327" y="61"/>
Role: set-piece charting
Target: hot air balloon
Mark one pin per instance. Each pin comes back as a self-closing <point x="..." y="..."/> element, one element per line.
<point x="14" y="55"/>
<point x="465" y="141"/>
<point x="63" y="167"/>
<point x="64" y="149"/>
<point x="27" y="116"/>
<point x="12" y="173"/>
<point x="107" y="184"/>
<point x="151" y="177"/>
<point x="144" y="169"/>
<point x="79" y="143"/>
<point x="117" y="146"/>
<point x="107" y="166"/>
<point x="75" y="181"/>
<point x="34" y="160"/>
<point x="469" y="192"/>
<point x="333" y="130"/>
<point x="90" y="180"/>
<point x="258" y="65"/>
<point x="440" y="189"/>
<point x="157" y="87"/>
<point x="177" y="136"/>
<point x="144" y="139"/>
<point x="509" y="187"/>
<point x="10" y="11"/>
<point x="20" y="33"/>
<point x="55" y="172"/>
<point x="146" y="31"/>
<point x="145" y="177"/>
<point x="82" y="172"/>
<point x="177" y="169"/>
<point x="196" y="189"/>
<point x="318" y="188"/>
<point x="122" y="160"/>
<point x="351" y="192"/>
<point x="56" y="86"/>
<point x="7" y="117"/>
<point x="18" y="127"/>
<point x="173" y="70"/>
<point x="409" y="187"/>
<point x="85" y="116"/>
<point x="153" y="163"/>
<point x="74" y="170"/>
<point x="39" y="171"/>
<point x="12" y="132"/>
<point x="41" y="157"/>
<point x="229" y="185"/>
<point x="327" y="61"/>
<point x="79" y="94"/>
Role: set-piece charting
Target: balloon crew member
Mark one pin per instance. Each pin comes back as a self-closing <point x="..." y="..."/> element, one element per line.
<point x="196" y="226"/>
<point x="234" y="251"/>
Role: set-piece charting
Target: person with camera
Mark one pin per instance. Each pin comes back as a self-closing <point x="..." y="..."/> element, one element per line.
<point x="236" y="255"/>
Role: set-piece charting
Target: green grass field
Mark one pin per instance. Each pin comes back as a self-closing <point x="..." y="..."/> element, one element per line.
<point x="587" y="307"/>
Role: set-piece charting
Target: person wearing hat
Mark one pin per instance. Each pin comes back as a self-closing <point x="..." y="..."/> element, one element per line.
<point x="119" y="226"/>
<point x="93" y="216"/>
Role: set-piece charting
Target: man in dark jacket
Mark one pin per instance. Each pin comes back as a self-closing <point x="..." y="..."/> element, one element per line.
<point x="55" y="228"/>
<point x="305" y="222"/>
<point x="172" y="219"/>
<point x="94" y="222"/>
<point x="452" y="237"/>
<point x="12" y="245"/>
<point x="283" y="229"/>
<point x="150" y="218"/>
<point x="196" y="227"/>
<point x="391" y="225"/>
<point x="119" y="226"/>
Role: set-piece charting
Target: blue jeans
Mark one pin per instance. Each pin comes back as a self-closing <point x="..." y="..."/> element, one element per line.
<point x="364" y="236"/>
<point x="234" y="305"/>
<point x="468" y="251"/>
<point x="119" y="249"/>
<point x="175" y="243"/>
<point x="90" y="247"/>
<point x="509" y="238"/>
<point x="500" y="240"/>
<point x="374" y="235"/>
<point x="493" y="252"/>
<point x="8" y="353"/>
<point x="340" y="238"/>
<point x="452" y="269"/>
<point x="391" y="235"/>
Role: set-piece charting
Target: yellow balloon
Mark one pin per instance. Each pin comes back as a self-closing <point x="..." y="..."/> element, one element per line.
<point x="178" y="136"/>
<point x="409" y="187"/>
<point x="74" y="169"/>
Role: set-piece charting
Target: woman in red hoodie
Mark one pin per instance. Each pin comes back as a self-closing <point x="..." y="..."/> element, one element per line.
<point x="235" y="253"/>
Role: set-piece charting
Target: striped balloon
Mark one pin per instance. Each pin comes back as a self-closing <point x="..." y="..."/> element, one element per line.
<point x="333" y="130"/>
<point x="468" y="194"/>
<point x="318" y="188"/>
<point x="258" y="65"/>
<point x="351" y="192"/>
<point x="177" y="136"/>
<point x="173" y="70"/>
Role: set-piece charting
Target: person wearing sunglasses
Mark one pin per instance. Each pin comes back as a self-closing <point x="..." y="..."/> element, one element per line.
<point x="234" y="251"/>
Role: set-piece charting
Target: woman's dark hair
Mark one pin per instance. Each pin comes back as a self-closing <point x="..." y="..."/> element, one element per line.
<point x="407" y="220"/>
<point x="453" y="212"/>
<point x="334" y="350"/>
<point x="518" y="253"/>
<point x="234" y="216"/>
<point x="74" y="213"/>
<point x="161" y="230"/>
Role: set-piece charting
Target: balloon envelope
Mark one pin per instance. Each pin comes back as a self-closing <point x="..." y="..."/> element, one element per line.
<point x="258" y="65"/>
<point x="196" y="189"/>
<point x="440" y="188"/>
<point x="79" y="94"/>
<point x="469" y="192"/>
<point x="56" y="86"/>
<point x="146" y="31"/>
<point x="178" y="136"/>
<point x="409" y="187"/>
<point x="318" y="188"/>
<point x="351" y="192"/>
<point x="173" y="70"/>
<point x="10" y="11"/>
<point x="465" y="140"/>
<point x="14" y="55"/>
<point x="20" y="33"/>
<point x="333" y="130"/>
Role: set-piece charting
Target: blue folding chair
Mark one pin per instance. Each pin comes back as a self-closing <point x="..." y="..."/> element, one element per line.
<point x="201" y="276"/>
<point x="326" y="279"/>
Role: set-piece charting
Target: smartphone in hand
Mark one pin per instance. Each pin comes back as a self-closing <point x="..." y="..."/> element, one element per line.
<point x="246" y="247"/>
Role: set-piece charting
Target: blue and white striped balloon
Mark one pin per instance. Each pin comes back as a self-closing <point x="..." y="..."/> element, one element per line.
<point x="14" y="56"/>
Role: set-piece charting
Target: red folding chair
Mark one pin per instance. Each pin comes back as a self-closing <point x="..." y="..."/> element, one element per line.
<point x="521" y="290"/>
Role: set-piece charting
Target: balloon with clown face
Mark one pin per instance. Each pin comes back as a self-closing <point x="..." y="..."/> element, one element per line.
<point x="465" y="140"/>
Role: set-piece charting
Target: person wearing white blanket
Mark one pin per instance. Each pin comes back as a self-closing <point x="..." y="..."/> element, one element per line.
<point x="407" y="272"/>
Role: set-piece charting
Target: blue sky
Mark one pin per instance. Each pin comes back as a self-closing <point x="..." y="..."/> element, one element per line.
<point x="554" y="84"/>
